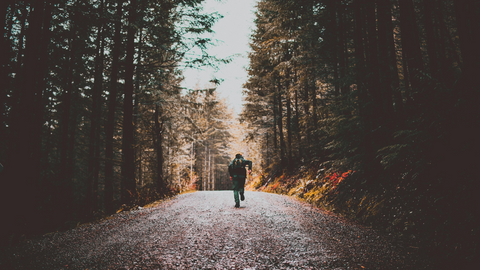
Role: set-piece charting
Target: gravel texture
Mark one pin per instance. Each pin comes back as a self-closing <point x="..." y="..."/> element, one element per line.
<point x="203" y="230"/>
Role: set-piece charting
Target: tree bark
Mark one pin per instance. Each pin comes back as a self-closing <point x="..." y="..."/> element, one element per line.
<point x="447" y="49"/>
<point x="367" y="147"/>
<point x="289" y="127"/>
<point x="392" y="57"/>
<point x="375" y="112"/>
<point x="313" y="88"/>
<point x="342" y="52"/>
<point x="445" y="63"/>
<point x="359" y="57"/>
<point x="467" y="28"/>
<point x="429" y="6"/>
<point x="385" y="63"/>
<point x="3" y="72"/>
<point x="112" y="104"/>
<point x="158" y="140"/>
<point x="128" y="168"/>
<point x="274" y="108"/>
<point x="333" y="35"/>
<point x="280" y="123"/>
<point x="411" y="43"/>
<point x="22" y="145"/>
<point x="297" y="120"/>
<point x="43" y="70"/>
<point x="67" y="124"/>
<point x="94" y="136"/>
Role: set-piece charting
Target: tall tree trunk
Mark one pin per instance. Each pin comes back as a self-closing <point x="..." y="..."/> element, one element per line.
<point x="406" y="78"/>
<point x="71" y="153"/>
<point x="467" y="27"/>
<point x="313" y="88"/>
<point x="385" y="68"/>
<point x="288" y="57"/>
<point x="447" y="48"/>
<point x="465" y="117"/>
<point x="280" y="123"/>
<point x="386" y="11"/>
<point x="94" y="138"/>
<point x="359" y="56"/>
<point x="112" y="104"/>
<point x="158" y="140"/>
<point x="267" y="150"/>
<point x="367" y="147"/>
<point x="137" y="152"/>
<point x="213" y="174"/>
<point x="96" y="172"/>
<point x="66" y="124"/>
<point x="210" y="169"/>
<point x="289" y="127"/>
<point x="98" y="92"/>
<point x="274" y="108"/>
<point x="306" y="94"/>
<point x="297" y="120"/>
<point x="22" y="149"/>
<point x="429" y="6"/>
<point x="342" y="52"/>
<point x="333" y="35"/>
<point x="128" y="168"/>
<point x="373" y="65"/>
<point x="411" y="43"/>
<point x="3" y="72"/>
<point x="204" y="184"/>
<point x="18" y="66"/>
<point x="43" y="70"/>
<point x="306" y="109"/>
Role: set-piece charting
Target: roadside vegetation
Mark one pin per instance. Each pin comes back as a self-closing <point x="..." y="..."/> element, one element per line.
<point x="93" y="119"/>
<point x="367" y="109"/>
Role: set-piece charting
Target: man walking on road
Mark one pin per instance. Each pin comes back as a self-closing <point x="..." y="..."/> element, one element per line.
<point x="238" y="173"/>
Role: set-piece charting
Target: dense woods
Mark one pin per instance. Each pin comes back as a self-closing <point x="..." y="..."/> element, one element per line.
<point x="364" y="107"/>
<point x="93" y="119"/>
<point x="368" y="109"/>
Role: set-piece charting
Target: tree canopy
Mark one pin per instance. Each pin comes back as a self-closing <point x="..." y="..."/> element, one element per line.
<point x="378" y="98"/>
<point x="93" y="118"/>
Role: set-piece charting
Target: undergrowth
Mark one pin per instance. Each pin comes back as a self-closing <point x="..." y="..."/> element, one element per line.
<point x="418" y="217"/>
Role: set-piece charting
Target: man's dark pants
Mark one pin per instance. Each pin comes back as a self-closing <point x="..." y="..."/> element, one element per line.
<point x="238" y="187"/>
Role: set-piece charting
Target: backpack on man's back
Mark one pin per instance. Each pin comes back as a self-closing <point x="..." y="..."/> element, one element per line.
<point x="239" y="166"/>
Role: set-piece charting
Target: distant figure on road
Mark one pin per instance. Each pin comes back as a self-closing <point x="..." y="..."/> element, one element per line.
<point x="238" y="173"/>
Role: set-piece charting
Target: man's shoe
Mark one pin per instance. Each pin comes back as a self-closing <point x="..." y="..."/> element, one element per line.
<point x="237" y="205"/>
<point x="242" y="197"/>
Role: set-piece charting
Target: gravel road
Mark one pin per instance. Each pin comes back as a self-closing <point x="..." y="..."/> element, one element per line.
<point x="203" y="230"/>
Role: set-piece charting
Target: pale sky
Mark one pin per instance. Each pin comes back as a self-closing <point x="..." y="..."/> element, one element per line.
<point x="233" y="33"/>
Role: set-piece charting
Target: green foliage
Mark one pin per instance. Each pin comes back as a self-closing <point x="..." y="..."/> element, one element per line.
<point x="74" y="55"/>
<point x="401" y="115"/>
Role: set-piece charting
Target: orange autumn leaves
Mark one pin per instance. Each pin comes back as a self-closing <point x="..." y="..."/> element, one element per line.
<point x="336" y="177"/>
<point x="323" y="184"/>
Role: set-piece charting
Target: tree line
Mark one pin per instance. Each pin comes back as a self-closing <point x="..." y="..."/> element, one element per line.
<point x="383" y="88"/>
<point x="92" y="113"/>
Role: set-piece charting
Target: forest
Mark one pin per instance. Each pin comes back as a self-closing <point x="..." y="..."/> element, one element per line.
<point x="368" y="109"/>
<point x="94" y="120"/>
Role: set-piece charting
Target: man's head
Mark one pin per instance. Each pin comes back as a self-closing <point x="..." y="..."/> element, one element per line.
<point x="238" y="155"/>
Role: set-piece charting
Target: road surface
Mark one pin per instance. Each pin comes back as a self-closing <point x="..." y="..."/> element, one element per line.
<point x="203" y="230"/>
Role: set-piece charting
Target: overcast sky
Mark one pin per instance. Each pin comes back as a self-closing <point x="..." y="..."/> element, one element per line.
<point x="233" y="33"/>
